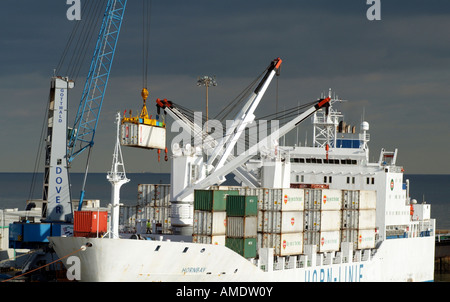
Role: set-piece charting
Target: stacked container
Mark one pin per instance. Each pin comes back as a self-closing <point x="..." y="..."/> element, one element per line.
<point x="280" y="221"/>
<point x="210" y="216"/>
<point x="322" y="219"/>
<point x="242" y="221"/>
<point x="154" y="206"/>
<point x="359" y="218"/>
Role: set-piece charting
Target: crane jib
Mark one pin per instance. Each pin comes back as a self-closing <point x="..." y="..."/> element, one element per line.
<point x="273" y="67"/>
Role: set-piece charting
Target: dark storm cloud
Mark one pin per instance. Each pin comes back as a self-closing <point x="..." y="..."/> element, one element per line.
<point x="394" y="68"/>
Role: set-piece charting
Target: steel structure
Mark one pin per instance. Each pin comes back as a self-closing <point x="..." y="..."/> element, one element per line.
<point x="87" y="117"/>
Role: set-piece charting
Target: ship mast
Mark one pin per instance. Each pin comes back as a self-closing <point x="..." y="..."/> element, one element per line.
<point x="117" y="178"/>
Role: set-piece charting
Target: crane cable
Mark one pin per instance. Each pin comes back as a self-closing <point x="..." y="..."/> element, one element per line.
<point x="146" y="12"/>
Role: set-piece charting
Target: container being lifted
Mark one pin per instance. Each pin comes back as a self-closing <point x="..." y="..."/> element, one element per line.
<point x="142" y="131"/>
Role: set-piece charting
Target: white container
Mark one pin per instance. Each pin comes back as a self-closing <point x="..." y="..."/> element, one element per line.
<point x="330" y="241"/>
<point x="209" y="223"/>
<point x="312" y="220"/>
<point x="362" y="219"/>
<point x="283" y="244"/>
<point x="367" y="219"/>
<point x="143" y="136"/>
<point x="325" y="241"/>
<point x="242" y="227"/>
<point x="313" y="199"/>
<point x="291" y="222"/>
<point x="330" y="220"/>
<point x="157" y="195"/>
<point x="260" y="217"/>
<point x="272" y="200"/>
<point x="271" y="221"/>
<point x="292" y="200"/>
<point x="367" y="200"/>
<point x="350" y="200"/>
<point x="204" y="239"/>
<point x="366" y="239"/>
<point x="282" y="222"/>
<point x="331" y="200"/>
<point x="350" y="219"/>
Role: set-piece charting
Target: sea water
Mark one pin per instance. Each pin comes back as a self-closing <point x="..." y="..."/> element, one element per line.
<point x="15" y="190"/>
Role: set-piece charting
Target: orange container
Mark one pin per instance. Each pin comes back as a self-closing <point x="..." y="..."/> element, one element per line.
<point x="90" y="223"/>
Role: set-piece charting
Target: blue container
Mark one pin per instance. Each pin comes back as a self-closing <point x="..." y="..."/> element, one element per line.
<point x="36" y="232"/>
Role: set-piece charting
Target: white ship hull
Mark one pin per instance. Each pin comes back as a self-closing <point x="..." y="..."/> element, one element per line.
<point x="126" y="260"/>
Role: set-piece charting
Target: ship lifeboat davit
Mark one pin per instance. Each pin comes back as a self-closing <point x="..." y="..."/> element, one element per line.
<point x="142" y="131"/>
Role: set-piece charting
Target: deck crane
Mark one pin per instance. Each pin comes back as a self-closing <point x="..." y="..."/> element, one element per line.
<point x="81" y="137"/>
<point x="221" y="162"/>
<point x="243" y="118"/>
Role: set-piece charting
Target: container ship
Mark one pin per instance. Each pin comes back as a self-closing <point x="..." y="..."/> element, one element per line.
<point x="322" y="212"/>
<point x="319" y="213"/>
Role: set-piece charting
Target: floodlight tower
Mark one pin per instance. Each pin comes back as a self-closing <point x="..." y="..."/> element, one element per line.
<point x="207" y="81"/>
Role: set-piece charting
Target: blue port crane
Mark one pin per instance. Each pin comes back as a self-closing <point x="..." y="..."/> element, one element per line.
<point x="86" y="121"/>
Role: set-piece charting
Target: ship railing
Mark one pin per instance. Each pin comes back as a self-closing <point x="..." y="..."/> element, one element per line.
<point x="322" y="259"/>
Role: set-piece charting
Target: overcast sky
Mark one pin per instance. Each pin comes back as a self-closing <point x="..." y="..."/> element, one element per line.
<point x="395" y="71"/>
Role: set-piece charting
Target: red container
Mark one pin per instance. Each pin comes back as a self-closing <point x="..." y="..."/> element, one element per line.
<point x="90" y="223"/>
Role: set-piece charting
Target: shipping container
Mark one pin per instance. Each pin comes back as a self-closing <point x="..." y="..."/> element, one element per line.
<point x="242" y="227"/>
<point x="322" y="220"/>
<point x="212" y="200"/>
<point x="330" y="220"/>
<point x="156" y="195"/>
<point x="143" y="136"/>
<point x="350" y="200"/>
<point x="361" y="239"/>
<point x="362" y="219"/>
<point x="282" y="222"/>
<point x="367" y="219"/>
<point x="367" y="200"/>
<point x="241" y="205"/>
<point x="90" y="223"/>
<point x="283" y="244"/>
<point x="350" y="219"/>
<point x="325" y="241"/>
<point x="245" y="247"/>
<point x="209" y="223"/>
<point x="293" y="200"/>
<point x="313" y="199"/>
<point x="366" y="239"/>
<point x="331" y="200"/>
<point x="311" y="220"/>
<point x="212" y="239"/>
<point x="284" y="200"/>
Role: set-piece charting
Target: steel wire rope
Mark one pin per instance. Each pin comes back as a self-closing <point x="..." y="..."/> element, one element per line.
<point x="83" y="35"/>
<point x="238" y="99"/>
<point x="87" y="40"/>
<point x="146" y="13"/>
<point x="280" y="115"/>
<point x="39" y="152"/>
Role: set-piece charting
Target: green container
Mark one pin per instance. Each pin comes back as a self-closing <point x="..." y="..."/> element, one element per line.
<point x="246" y="247"/>
<point x="212" y="200"/>
<point x="242" y="205"/>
